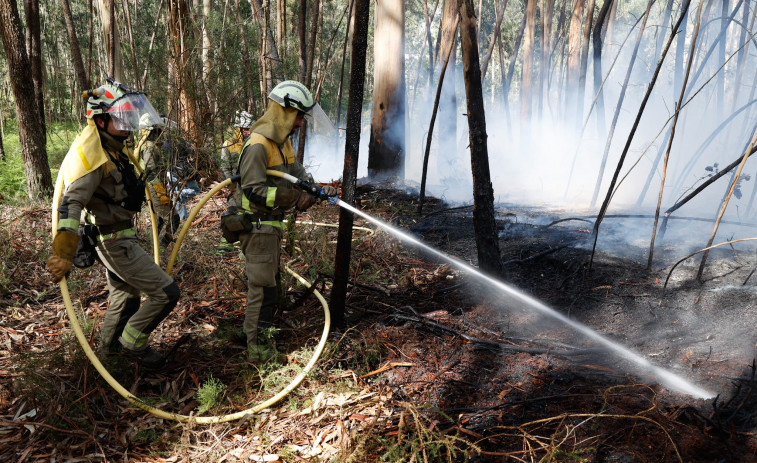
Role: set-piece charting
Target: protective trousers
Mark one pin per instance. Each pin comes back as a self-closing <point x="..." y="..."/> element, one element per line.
<point x="262" y="250"/>
<point x="132" y="271"/>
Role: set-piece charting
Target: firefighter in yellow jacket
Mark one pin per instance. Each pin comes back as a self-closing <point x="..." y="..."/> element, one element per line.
<point x="263" y="200"/>
<point x="230" y="159"/>
<point x="101" y="181"/>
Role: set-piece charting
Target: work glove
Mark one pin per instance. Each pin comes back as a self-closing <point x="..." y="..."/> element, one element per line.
<point x="64" y="250"/>
<point x="304" y="201"/>
<point x="329" y="190"/>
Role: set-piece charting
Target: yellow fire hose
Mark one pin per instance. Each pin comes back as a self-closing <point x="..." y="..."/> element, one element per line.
<point x="81" y="337"/>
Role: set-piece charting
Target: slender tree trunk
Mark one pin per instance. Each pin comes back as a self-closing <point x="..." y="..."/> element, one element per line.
<point x="448" y="158"/>
<point x="386" y="147"/>
<point x="547" y="11"/>
<point x="584" y="60"/>
<point x="30" y="128"/>
<point x="152" y="42"/>
<point x="574" y="60"/>
<point x="181" y="29"/>
<point x="309" y="75"/>
<point x="619" y="106"/>
<point x="34" y="52"/>
<point x="731" y="189"/>
<point x="81" y="75"/>
<point x="724" y="22"/>
<point x="528" y="65"/>
<point x="246" y="61"/>
<point x="207" y="6"/>
<point x="487" y="240"/>
<point x="272" y="56"/>
<point x="132" y="54"/>
<point x="347" y="34"/>
<point x="302" y="29"/>
<point x="598" y="38"/>
<point x="493" y="38"/>
<point x="351" y="151"/>
<point x="429" y="136"/>
<point x="112" y="41"/>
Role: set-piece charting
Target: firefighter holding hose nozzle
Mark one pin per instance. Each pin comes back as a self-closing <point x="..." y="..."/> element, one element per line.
<point x="102" y="187"/>
<point x="263" y="200"/>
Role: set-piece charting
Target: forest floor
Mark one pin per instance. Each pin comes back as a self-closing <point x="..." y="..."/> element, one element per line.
<point x="433" y="364"/>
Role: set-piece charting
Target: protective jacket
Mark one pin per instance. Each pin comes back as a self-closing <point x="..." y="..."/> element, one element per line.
<point x="230" y="153"/>
<point x="99" y="178"/>
<point x="269" y="147"/>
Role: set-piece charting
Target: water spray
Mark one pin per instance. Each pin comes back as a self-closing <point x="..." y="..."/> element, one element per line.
<point x="665" y="377"/>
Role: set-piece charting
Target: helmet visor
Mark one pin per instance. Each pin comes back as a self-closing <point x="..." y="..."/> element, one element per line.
<point x="319" y="122"/>
<point x="132" y="111"/>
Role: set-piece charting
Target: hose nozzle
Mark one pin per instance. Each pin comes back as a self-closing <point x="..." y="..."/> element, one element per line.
<point x="316" y="190"/>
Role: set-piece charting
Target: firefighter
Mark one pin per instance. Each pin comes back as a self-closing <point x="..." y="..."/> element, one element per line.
<point x="155" y="161"/>
<point x="229" y="160"/>
<point x="262" y="201"/>
<point x="101" y="181"/>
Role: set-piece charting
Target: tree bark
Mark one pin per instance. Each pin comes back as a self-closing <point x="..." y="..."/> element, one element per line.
<point x="547" y="10"/>
<point x="39" y="181"/>
<point x="81" y="75"/>
<point x="598" y="38"/>
<point x="302" y="31"/>
<point x="34" y="52"/>
<point x="386" y="147"/>
<point x="584" y="60"/>
<point x="526" y="76"/>
<point x="351" y="151"/>
<point x="493" y="38"/>
<point x="309" y="76"/>
<point x="574" y="60"/>
<point x="246" y="61"/>
<point x="485" y="227"/>
<point x="112" y="42"/>
<point x="181" y="28"/>
<point x="347" y="35"/>
<point x="619" y="106"/>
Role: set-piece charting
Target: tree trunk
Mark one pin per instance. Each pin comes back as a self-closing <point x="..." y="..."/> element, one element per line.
<point x="272" y="55"/>
<point x="619" y="106"/>
<point x="448" y="158"/>
<point x="181" y="28"/>
<point x="34" y="52"/>
<point x="485" y="227"/>
<point x="207" y="6"/>
<point x="341" y="72"/>
<point x="574" y="61"/>
<point x="309" y="75"/>
<point x="584" y="60"/>
<point x="386" y="148"/>
<point x="81" y="75"/>
<point x="112" y="41"/>
<point x="302" y="31"/>
<point x="31" y="131"/>
<point x="351" y="151"/>
<point x="125" y="8"/>
<point x="495" y="33"/>
<point x="598" y="38"/>
<point x="547" y="11"/>
<point x="526" y="76"/>
<point x="249" y="93"/>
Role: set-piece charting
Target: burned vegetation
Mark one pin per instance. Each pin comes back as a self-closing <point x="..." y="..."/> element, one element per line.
<point x="431" y="365"/>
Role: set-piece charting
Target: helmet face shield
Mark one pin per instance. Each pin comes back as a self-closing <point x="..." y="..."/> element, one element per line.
<point x="132" y="111"/>
<point x="319" y="122"/>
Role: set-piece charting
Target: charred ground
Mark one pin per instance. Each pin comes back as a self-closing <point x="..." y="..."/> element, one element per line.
<point x="430" y="365"/>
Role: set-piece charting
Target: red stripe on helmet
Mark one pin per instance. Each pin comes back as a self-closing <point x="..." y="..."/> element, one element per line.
<point x="108" y="94"/>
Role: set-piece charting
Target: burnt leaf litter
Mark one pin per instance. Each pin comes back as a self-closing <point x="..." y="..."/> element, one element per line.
<point x="430" y="366"/>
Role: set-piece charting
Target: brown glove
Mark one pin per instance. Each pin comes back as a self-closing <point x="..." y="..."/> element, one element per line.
<point x="64" y="249"/>
<point x="304" y="201"/>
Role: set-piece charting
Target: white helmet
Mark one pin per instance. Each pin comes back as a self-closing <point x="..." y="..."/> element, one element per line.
<point x="292" y="94"/>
